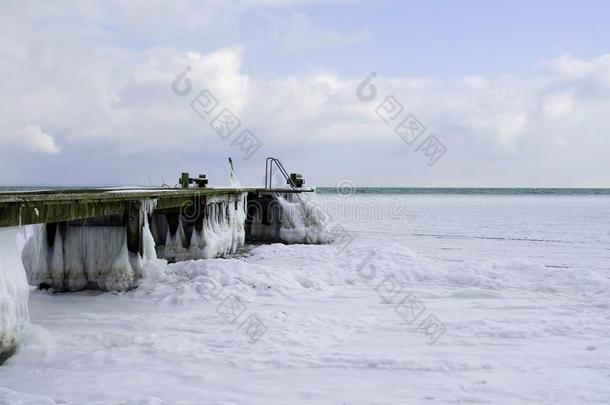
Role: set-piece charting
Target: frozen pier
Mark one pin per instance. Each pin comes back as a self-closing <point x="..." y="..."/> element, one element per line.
<point x="109" y="239"/>
<point x="53" y="206"/>
<point x="170" y="215"/>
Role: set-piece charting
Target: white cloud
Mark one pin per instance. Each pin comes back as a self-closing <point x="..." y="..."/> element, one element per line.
<point x="95" y="92"/>
<point x="31" y="139"/>
<point x="295" y="33"/>
<point x="567" y="67"/>
<point x="37" y="141"/>
<point x="558" y="105"/>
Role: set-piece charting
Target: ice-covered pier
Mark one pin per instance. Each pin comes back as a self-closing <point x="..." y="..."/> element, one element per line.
<point x="87" y="232"/>
<point x="54" y="206"/>
<point x="106" y="239"/>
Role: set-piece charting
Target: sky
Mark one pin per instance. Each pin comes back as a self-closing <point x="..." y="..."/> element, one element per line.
<point x="461" y="94"/>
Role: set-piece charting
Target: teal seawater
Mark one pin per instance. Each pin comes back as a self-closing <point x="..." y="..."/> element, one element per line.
<point x="465" y="191"/>
<point x="403" y="190"/>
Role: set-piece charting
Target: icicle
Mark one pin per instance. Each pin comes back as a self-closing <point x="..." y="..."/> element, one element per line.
<point x="56" y="260"/>
<point x="150" y="254"/>
<point x="223" y="227"/>
<point x="97" y="256"/>
<point x="88" y="257"/>
<point x="306" y="222"/>
<point x="300" y="221"/>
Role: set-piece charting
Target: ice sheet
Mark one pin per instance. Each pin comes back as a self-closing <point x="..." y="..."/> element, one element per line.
<point x="521" y="284"/>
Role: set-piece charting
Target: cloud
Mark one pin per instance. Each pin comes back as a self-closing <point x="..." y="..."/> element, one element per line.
<point x="31" y="139"/>
<point x="293" y="33"/>
<point x="106" y="90"/>
<point x="558" y="105"/>
<point x="130" y="108"/>
<point x="37" y="141"/>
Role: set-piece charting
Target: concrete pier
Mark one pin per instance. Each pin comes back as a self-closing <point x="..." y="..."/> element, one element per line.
<point x="103" y="238"/>
<point x="181" y="222"/>
<point x="50" y="206"/>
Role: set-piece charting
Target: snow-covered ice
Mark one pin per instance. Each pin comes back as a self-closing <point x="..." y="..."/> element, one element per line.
<point x="518" y="284"/>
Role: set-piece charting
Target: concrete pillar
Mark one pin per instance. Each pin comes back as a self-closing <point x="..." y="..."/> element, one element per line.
<point x="135" y="222"/>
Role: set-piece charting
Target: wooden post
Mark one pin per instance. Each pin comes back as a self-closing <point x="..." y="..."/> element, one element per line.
<point x="135" y="222"/>
<point x="184" y="180"/>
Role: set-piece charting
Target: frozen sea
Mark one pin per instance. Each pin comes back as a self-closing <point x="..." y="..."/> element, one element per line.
<point x="489" y="297"/>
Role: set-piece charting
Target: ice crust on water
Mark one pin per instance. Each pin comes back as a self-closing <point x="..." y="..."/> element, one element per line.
<point x="508" y="315"/>
<point x="88" y="257"/>
<point x="13" y="292"/>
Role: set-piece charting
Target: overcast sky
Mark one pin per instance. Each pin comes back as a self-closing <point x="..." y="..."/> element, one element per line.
<point x="516" y="93"/>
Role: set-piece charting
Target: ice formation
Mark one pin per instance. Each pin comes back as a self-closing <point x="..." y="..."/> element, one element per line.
<point x="233" y="179"/>
<point x="13" y="292"/>
<point x="84" y="256"/>
<point x="221" y="231"/>
<point x="291" y="219"/>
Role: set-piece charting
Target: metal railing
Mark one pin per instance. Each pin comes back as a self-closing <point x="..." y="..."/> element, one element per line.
<point x="269" y="173"/>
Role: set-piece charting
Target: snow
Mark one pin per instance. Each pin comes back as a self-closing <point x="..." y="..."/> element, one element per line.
<point x="521" y="285"/>
<point x="13" y="292"/>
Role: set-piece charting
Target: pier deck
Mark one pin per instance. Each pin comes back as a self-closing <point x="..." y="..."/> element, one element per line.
<point x="57" y="205"/>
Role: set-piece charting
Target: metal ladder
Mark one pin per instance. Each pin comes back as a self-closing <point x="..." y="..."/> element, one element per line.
<point x="269" y="172"/>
